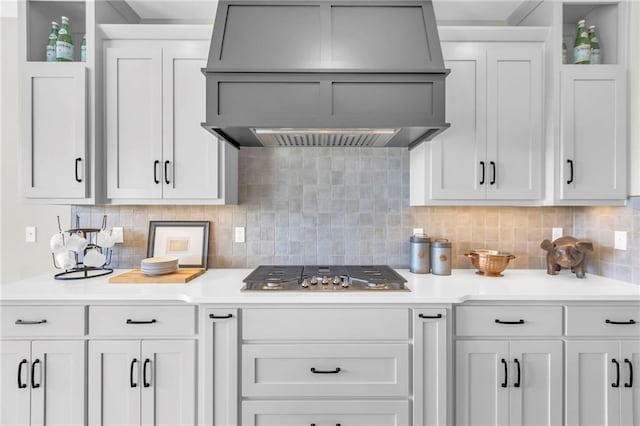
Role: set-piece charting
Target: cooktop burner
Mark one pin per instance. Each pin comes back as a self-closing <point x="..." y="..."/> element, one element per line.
<point x="332" y="278"/>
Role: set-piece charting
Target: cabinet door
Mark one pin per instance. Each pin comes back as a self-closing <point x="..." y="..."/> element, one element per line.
<point x="190" y="152"/>
<point x="168" y="382"/>
<point x="458" y="168"/>
<point x="114" y="382"/>
<point x="219" y="382"/>
<point x="14" y="386"/>
<point x="514" y="121"/>
<point x="54" y="133"/>
<point x="630" y="387"/>
<point x="482" y="380"/>
<point x="134" y="122"/>
<point x="430" y="389"/>
<point x="57" y="394"/>
<point x="535" y="383"/>
<point x="593" y="120"/>
<point x="591" y="395"/>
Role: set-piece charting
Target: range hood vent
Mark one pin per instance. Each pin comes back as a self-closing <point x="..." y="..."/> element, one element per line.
<point x="338" y="73"/>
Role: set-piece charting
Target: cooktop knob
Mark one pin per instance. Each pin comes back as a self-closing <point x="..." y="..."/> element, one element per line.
<point x="314" y="281"/>
<point x="336" y="280"/>
<point x="305" y="283"/>
<point x="325" y="280"/>
<point x="345" y="283"/>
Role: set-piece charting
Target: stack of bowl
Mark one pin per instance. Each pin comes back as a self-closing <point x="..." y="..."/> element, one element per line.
<point x="490" y="263"/>
<point x="159" y="265"/>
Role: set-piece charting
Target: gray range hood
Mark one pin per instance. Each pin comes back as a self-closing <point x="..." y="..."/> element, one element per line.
<point x="325" y="73"/>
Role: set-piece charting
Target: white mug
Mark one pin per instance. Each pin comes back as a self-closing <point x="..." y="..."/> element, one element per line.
<point x="94" y="258"/>
<point x="76" y="243"/>
<point x="66" y="260"/>
<point x="58" y="241"/>
<point x="104" y="239"/>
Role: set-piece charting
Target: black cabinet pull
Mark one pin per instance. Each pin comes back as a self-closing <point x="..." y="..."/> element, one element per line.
<point x="483" y="172"/>
<point x="629" y="384"/>
<point x="616" y="384"/>
<point x="33" y="374"/>
<point x="130" y="321"/>
<point x="213" y="316"/>
<point x="155" y="172"/>
<point x="516" y="384"/>
<point x="314" y="371"/>
<point x="493" y="173"/>
<point x="20" y="384"/>
<point x="166" y="172"/>
<point x="430" y="316"/>
<point x="131" y="382"/>
<point x="506" y="373"/>
<point x="144" y="373"/>
<point x="630" y="322"/>
<point x="570" y="180"/>
<point x="498" y="321"/>
<point x="22" y="322"/>
<point x="78" y="161"/>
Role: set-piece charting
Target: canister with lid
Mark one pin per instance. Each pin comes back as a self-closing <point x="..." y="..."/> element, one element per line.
<point x="441" y="257"/>
<point x="419" y="263"/>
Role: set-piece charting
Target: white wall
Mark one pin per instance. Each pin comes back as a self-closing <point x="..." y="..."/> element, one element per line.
<point x="18" y="259"/>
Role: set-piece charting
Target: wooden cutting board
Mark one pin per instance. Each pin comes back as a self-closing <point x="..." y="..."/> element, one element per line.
<point x="181" y="276"/>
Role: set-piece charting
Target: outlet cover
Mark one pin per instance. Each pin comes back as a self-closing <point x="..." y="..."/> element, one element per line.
<point x="620" y="240"/>
<point x="117" y="233"/>
<point x="418" y="231"/>
<point x="30" y="234"/>
<point x="239" y="234"/>
<point x="556" y="233"/>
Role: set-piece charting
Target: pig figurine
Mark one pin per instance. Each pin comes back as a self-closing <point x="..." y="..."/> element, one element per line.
<point x="566" y="252"/>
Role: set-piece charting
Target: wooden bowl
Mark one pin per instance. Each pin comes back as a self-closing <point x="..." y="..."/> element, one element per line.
<point x="490" y="263"/>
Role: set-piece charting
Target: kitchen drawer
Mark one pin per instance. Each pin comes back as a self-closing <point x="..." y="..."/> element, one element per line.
<point x="325" y="324"/>
<point x="309" y="370"/>
<point x="603" y="321"/>
<point x="142" y="320"/>
<point x="325" y="413"/>
<point x="509" y="320"/>
<point x="42" y="321"/>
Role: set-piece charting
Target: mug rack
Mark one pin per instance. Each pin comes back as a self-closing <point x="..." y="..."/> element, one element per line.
<point x="80" y="271"/>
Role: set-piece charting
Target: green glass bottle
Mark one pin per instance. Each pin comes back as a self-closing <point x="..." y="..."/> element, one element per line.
<point x="596" y="55"/>
<point x="64" y="45"/>
<point x="581" y="47"/>
<point x="51" y="45"/>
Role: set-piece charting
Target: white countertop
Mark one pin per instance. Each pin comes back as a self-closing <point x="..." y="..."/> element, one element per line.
<point x="222" y="286"/>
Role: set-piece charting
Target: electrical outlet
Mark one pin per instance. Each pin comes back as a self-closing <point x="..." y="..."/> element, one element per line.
<point x="239" y="234"/>
<point x="620" y="240"/>
<point x="418" y="231"/>
<point x="117" y="233"/>
<point x="556" y="233"/>
<point x="30" y="234"/>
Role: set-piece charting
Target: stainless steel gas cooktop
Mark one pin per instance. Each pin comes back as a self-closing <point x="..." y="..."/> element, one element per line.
<point x="333" y="278"/>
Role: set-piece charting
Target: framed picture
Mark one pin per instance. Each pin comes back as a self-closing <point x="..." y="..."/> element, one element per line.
<point x="186" y="240"/>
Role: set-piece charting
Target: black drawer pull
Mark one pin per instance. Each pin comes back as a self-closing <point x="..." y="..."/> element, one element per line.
<point x="506" y="373"/>
<point x="509" y="322"/>
<point x="144" y="373"/>
<point x="78" y="160"/>
<point x="616" y="384"/>
<point x="570" y="180"/>
<point x="493" y="173"/>
<point x="33" y="374"/>
<point x="20" y="384"/>
<point x="314" y="371"/>
<point x="130" y="321"/>
<point x="430" y="316"/>
<point x="155" y="171"/>
<point x="516" y="384"/>
<point x="22" y="322"/>
<point x="630" y="322"/>
<point x="131" y="382"/>
<point x="483" y="172"/>
<point x="213" y="316"/>
<point x="166" y="172"/>
<point x="629" y="384"/>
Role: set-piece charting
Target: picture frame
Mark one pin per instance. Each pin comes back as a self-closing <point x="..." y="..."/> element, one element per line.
<point x="187" y="240"/>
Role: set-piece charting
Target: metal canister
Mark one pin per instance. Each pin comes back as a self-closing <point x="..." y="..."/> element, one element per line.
<point x="420" y="262"/>
<point x="441" y="257"/>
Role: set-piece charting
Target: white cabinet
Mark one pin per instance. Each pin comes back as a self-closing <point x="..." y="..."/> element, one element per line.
<point x="593" y="126"/>
<point x="148" y="382"/>
<point x="493" y="151"/>
<point x="54" y="132"/>
<point x="508" y="382"/>
<point x="156" y="147"/>
<point x="43" y="382"/>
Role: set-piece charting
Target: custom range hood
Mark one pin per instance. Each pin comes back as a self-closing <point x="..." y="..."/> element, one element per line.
<point x="347" y="73"/>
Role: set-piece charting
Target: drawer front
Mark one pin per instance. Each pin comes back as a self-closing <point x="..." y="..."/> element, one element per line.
<point x="329" y="413"/>
<point x="509" y="321"/>
<point x="325" y="370"/>
<point x="142" y="320"/>
<point x="325" y="324"/>
<point x="612" y="320"/>
<point x="42" y="321"/>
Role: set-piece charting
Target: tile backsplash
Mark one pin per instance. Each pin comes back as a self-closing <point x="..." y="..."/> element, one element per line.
<point x="343" y="206"/>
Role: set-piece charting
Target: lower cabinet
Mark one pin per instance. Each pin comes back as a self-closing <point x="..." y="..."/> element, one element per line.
<point x="142" y="382"/>
<point x="42" y="382"/>
<point x="502" y="382"/>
